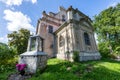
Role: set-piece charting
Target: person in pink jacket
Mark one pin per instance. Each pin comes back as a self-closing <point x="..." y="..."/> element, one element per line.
<point x="21" y="68"/>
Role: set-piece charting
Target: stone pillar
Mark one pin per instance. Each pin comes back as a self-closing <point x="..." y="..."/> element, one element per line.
<point x="91" y="42"/>
<point x="29" y="45"/>
<point x="58" y="44"/>
<point x="73" y="36"/>
<point x="94" y="42"/>
<point x="37" y="44"/>
<point x="82" y="40"/>
<point x="71" y="39"/>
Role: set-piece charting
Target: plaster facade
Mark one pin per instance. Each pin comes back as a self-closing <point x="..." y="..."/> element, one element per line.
<point x="67" y="31"/>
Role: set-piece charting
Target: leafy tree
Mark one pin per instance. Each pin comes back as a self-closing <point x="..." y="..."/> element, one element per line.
<point x="107" y="27"/>
<point x="5" y="52"/>
<point x="19" y="40"/>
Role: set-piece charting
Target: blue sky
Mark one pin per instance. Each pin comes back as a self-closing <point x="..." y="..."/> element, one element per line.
<point x="16" y="14"/>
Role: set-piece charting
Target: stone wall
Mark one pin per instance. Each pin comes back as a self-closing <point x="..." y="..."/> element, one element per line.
<point x="33" y="62"/>
<point x="85" y="56"/>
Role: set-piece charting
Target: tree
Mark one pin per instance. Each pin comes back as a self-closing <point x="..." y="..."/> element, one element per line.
<point x="107" y="27"/>
<point x="19" y="40"/>
<point x="5" y="52"/>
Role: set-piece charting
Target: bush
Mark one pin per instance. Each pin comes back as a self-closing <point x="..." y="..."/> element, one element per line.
<point x="5" y="52"/>
<point x="7" y="58"/>
<point x="117" y="50"/>
<point x="75" y="56"/>
<point x="103" y="49"/>
<point x="113" y="56"/>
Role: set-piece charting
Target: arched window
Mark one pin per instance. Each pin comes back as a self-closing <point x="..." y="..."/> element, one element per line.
<point x="61" y="41"/>
<point x="50" y="29"/>
<point x="63" y="17"/>
<point x="86" y="39"/>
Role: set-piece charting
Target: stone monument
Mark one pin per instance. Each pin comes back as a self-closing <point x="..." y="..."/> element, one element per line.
<point x="34" y="58"/>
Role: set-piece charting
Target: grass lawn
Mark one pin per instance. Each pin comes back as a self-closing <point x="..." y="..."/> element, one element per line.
<point x="91" y="70"/>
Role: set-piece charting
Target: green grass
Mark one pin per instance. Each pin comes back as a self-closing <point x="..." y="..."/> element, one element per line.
<point x="91" y="70"/>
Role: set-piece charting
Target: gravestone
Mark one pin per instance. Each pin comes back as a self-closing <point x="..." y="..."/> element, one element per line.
<point x="34" y="58"/>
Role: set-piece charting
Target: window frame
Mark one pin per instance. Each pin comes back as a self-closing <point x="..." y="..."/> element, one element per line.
<point x="87" y="39"/>
<point x="50" y="29"/>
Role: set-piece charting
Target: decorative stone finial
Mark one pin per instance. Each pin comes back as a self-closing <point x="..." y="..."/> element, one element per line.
<point x="43" y="12"/>
<point x="70" y="8"/>
<point x="76" y="9"/>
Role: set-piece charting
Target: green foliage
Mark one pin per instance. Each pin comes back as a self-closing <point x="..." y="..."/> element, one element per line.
<point x="76" y="56"/>
<point x="103" y="49"/>
<point x="117" y="50"/>
<point x="91" y="70"/>
<point x="5" y="52"/>
<point x="107" y="27"/>
<point x="7" y="61"/>
<point x="19" y="40"/>
<point x="7" y="66"/>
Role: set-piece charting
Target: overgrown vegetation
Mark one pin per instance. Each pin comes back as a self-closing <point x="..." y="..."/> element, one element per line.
<point x="7" y="61"/>
<point x="9" y="54"/>
<point x="91" y="70"/>
<point x="76" y="56"/>
<point x="107" y="27"/>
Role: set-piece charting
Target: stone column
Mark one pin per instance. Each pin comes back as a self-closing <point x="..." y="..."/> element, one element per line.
<point x="91" y="42"/>
<point x="37" y="44"/>
<point x="29" y="45"/>
<point x="94" y="42"/>
<point x="73" y="36"/>
<point x="82" y="41"/>
<point x="71" y="39"/>
<point x="58" y="43"/>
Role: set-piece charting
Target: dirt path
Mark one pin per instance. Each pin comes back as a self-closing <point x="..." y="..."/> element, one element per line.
<point x="16" y="76"/>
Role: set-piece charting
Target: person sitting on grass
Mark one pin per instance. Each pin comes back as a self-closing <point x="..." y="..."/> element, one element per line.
<point x="21" y="68"/>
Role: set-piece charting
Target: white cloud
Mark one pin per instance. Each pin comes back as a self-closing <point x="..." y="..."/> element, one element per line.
<point x="4" y="39"/>
<point x="34" y="1"/>
<point x="17" y="20"/>
<point x="12" y="2"/>
<point x="113" y="3"/>
<point x="16" y="2"/>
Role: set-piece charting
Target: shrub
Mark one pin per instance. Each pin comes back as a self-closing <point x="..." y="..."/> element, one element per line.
<point x="113" y="56"/>
<point x="103" y="49"/>
<point x="117" y="50"/>
<point x="5" y="52"/>
<point x="75" y="56"/>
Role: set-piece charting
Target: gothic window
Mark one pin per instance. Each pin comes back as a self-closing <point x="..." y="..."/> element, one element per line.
<point x="50" y="29"/>
<point x="86" y="39"/>
<point x="63" y="17"/>
<point x="61" y="41"/>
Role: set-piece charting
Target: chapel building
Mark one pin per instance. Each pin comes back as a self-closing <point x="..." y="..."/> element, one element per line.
<point x="67" y="31"/>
